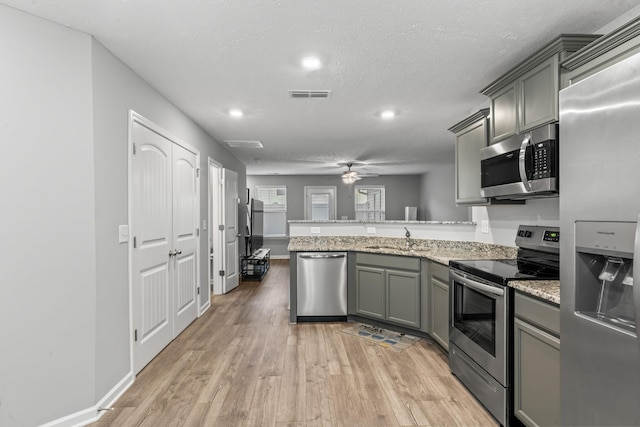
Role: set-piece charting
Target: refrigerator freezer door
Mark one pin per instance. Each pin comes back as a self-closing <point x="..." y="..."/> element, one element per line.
<point x="600" y="181"/>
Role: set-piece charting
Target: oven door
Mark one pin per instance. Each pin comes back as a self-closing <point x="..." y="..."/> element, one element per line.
<point x="478" y="321"/>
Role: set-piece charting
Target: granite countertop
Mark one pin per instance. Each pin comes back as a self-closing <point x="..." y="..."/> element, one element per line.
<point x="548" y="290"/>
<point x="441" y="251"/>
<point x="355" y="221"/>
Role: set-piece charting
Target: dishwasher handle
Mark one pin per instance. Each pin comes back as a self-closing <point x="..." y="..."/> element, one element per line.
<point x="321" y="256"/>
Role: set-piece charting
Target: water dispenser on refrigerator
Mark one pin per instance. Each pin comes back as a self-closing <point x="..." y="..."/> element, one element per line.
<point x="604" y="274"/>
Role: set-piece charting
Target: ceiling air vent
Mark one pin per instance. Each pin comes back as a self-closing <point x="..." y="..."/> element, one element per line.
<point x="243" y="143"/>
<point x="309" y="93"/>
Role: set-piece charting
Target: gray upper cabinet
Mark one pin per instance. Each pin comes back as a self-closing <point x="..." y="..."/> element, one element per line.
<point x="527" y="96"/>
<point x="611" y="48"/>
<point x="471" y="136"/>
<point x="505" y="121"/>
<point x="539" y="95"/>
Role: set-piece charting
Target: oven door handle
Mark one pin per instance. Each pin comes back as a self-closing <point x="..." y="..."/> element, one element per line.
<point x="476" y="285"/>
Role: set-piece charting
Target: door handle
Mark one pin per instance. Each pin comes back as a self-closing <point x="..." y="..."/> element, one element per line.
<point x="178" y="252"/>
<point x="522" y="165"/>
<point x="172" y="253"/>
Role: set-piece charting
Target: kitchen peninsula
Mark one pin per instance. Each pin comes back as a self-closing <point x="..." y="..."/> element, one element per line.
<point x="432" y="243"/>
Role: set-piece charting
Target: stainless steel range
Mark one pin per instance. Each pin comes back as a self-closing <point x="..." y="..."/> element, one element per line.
<point x="481" y="315"/>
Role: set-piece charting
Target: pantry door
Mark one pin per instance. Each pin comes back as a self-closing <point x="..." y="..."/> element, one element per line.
<point x="164" y="222"/>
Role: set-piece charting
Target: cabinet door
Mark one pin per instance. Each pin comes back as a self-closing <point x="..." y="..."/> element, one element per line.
<point x="468" y="145"/>
<point x="536" y="376"/>
<point x="538" y="100"/>
<point x="370" y="292"/>
<point x="440" y="311"/>
<point x="403" y="298"/>
<point x="504" y="116"/>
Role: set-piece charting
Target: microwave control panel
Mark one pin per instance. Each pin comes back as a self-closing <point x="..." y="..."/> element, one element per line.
<point x="543" y="160"/>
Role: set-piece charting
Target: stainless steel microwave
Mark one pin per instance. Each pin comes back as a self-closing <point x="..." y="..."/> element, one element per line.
<point x="521" y="167"/>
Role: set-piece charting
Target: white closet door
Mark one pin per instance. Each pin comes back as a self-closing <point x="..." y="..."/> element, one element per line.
<point x="151" y="263"/>
<point x="231" y="232"/>
<point x="165" y="254"/>
<point x="185" y="239"/>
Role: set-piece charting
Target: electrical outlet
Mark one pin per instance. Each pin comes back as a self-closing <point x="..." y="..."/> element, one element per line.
<point x="371" y="230"/>
<point x="315" y="230"/>
<point x="484" y="226"/>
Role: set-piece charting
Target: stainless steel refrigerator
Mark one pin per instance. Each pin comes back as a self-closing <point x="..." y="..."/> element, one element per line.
<point x="599" y="207"/>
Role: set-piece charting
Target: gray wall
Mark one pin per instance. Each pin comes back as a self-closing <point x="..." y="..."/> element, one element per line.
<point x="117" y="89"/>
<point x="64" y="303"/>
<point x="48" y="272"/>
<point x="437" y="196"/>
<point x="400" y="191"/>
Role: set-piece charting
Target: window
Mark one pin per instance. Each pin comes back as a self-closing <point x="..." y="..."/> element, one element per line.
<point x="369" y="203"/>
<point x="274" y="198"/>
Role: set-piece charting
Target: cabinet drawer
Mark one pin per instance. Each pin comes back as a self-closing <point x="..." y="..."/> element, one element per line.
<point x="544" y="315"/>
<point x="388" y="261"/>
<point x="440" y="271"/>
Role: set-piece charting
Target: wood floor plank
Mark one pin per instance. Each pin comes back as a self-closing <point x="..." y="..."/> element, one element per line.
<point x="242" y="364"/>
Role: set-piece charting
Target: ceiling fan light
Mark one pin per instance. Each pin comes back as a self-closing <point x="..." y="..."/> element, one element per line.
<point x="349" y="179"/>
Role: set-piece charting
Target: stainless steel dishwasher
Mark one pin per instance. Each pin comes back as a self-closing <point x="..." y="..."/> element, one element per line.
<point x="322" y="286"/>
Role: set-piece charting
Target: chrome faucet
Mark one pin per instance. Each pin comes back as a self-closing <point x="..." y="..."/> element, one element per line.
<point x="408" y="243"/>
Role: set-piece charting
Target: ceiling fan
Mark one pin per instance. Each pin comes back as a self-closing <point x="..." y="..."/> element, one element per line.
<point x="349" y="176"/>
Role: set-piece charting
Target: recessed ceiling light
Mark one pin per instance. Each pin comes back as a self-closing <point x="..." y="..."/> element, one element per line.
<point x="311" y="62"/>
<point x="236" y="113"/>
<point x="388" y="114"/>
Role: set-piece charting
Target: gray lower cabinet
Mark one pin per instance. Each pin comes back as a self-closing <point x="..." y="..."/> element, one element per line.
<point x="439" y="303"/>
<point x="388" y="288"/>
<point x="536" y="362"/>
<point x="370" y="292"/>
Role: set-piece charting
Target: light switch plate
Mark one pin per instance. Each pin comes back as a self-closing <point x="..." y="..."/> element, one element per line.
<point x="371" y="230"/>
<point x="484" y="226"/>
<point x="204" y="224"/>
<point x="123" y="233"/>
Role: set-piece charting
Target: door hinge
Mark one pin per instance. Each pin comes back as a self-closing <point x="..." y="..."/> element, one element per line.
<point x="198" y="173"/>
<point x="198" y="290"/>
<point x="135" y="242"/>
<point x="221" y="273"/>
<point x="221" y="227"/>
<point x="135" y="335"/>
<point x="197" y="232"/>
<point x="134" y="148"/>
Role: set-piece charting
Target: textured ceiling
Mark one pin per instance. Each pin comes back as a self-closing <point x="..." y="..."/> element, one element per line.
<point x="427" y="60"/>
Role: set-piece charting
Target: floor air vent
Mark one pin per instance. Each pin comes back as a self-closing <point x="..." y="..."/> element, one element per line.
<point x="309" y="93"/>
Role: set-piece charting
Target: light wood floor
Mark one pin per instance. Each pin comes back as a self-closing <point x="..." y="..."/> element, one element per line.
<point x="243" y="364"/>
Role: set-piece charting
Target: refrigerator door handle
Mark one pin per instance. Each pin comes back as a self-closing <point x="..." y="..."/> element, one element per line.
<point x="636" y="277"/>
<point x="522" y="166"/>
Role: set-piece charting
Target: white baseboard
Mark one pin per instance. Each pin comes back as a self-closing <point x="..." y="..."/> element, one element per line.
<point x="93" y="414"/>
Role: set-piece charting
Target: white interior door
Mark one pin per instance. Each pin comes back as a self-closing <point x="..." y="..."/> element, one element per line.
<point x="164" y="227"/>
<point x="231" y="232"/>
<point x="319" y="203"/>
<point x="152" y="231"/>
<point x="185" y="237"/>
